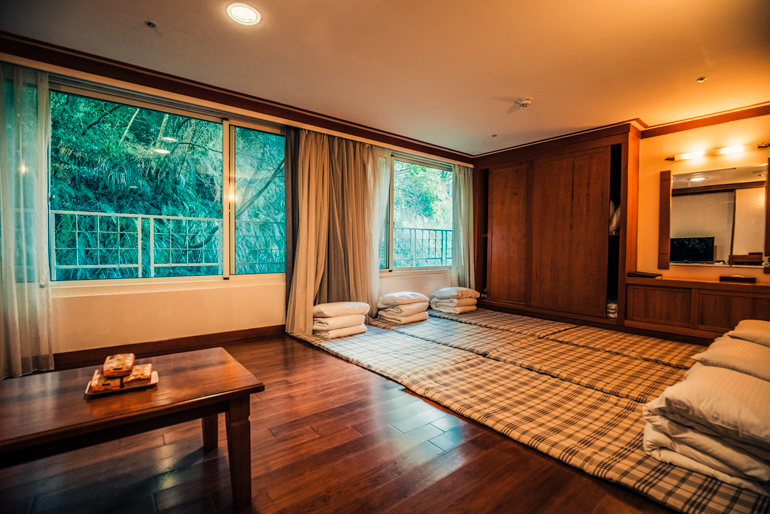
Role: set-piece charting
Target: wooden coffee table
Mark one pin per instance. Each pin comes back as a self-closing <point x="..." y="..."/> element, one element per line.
<point x="49" y="413"/>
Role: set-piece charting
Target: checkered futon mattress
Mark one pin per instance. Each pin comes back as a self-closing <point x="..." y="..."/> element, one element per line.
<point x="564" y="414"/>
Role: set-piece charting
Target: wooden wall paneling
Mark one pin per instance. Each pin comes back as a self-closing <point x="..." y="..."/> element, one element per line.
<point x="508" y="233"/>
<point x="722" y="311"/>
<point x="480" y="227"/>
<point x="570" y="232"/>
<point x="664" y="221"/>
<point x="630" y="216"/>
<point x="668" y="306"/>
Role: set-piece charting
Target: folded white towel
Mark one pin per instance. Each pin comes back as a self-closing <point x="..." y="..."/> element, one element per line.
<point x="340" y="332"/>
<point x="332" y="310"/>
<point x="406" y="310"/>
<point x="351" y="320"/>
<point x="403" y="320"/>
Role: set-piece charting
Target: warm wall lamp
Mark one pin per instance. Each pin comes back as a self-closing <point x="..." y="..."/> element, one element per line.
<point x="718" y="151"/>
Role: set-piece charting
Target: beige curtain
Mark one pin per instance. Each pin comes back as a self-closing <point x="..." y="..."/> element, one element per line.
<point x="339" y="187"/>
<point x="462" y="227"/>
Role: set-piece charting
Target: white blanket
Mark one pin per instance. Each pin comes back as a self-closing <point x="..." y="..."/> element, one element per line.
<point x="406" y="310"/>
<point x="402" y="320"/>
<point x="351" y="320"/>
<point x="439" y="306"/>
<point x="340" y="332"/>
<point x="657" y="445"/>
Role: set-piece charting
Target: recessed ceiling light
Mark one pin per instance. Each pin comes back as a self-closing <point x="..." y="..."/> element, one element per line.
<point x="244" y="14"/>
<point x="700" y="80"/>
<point x="161" y="151"/>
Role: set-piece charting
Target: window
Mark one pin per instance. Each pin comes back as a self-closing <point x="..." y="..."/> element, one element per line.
<point x="138" y="192"/>
<point x="421" y="209"/>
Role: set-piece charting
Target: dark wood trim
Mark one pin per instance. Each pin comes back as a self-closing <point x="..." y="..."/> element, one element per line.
<point x="700" y="284"/>
<point x="767" y="219"/>
<point x="92" y="356"/>
<point x="629" y="191"/>
<point x="480" y="228"/>
<point x="719" y="188"/>
<point x="539" y="312"/>
<point x="88" y="63"/>
<point x="705" y="121"/>
<point x="562" y="145"/>
<point x="664" y="221"/>
<point x="683" y="334"/>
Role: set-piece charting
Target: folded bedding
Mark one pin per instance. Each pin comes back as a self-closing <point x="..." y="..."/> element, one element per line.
<point x="460" y="309"/>
<point x="754" y="330"/>
<point x="456" y="292"/>
<point x="738" y="355"/>
<point x="340" y="332"/>
<point x="331" y="310"/>
<point x="409" y="309"/>
<point x="400" y="298"/>
<point x="401" y="320"/>
<point x="351" y="320"/>
<point x="454" y="302"/>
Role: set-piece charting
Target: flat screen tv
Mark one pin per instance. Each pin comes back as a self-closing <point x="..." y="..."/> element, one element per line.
<point x="692" y="249"/>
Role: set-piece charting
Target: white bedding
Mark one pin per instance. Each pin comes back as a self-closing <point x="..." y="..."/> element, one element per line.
<point x="403" y="320"/>
<point x="340" y="332"/>
<point x="351" y="320"/>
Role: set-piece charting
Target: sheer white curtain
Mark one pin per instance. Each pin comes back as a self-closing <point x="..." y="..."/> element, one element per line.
<point x="25" y="325"/>
<point x="379" y="185"/>
<point x="462" y="227"/>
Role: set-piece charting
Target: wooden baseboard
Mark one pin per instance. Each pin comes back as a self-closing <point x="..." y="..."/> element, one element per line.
<point x="93" y="356"/>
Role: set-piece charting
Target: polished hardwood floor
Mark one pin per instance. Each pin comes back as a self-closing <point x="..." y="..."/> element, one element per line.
<point x="327" y="436"/>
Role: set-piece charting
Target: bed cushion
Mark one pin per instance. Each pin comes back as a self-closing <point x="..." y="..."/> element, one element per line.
<point x="719" y="402"/>
<point x="738" y="355"/>
<point x="351" y="320"/>
<point x="401" y="320"/>
<point x="400" y="298"/>
<point x="408" y="309"/>
<point x="331" y="310"/>
<point x="340" y="332"/>
<point x="456" y="292"/>
<point x="754" y="330"/>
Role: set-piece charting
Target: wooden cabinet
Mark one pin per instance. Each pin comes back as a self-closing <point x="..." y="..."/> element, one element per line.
<point x="543" y="224"/>
<point x="694" y="308"/>
<point x="570" y="224"/>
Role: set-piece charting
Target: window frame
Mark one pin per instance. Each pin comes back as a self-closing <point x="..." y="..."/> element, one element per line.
<point x="419" y="161"/>
<point x="228" y="121"/>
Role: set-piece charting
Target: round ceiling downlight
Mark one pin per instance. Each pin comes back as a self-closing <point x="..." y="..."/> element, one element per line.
<point x="244" y="14"/>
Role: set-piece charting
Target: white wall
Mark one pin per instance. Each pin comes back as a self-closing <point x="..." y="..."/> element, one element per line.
<point x="425" y="282"/>
<point x="108" y="313"/>
<point x="749" y="221"/>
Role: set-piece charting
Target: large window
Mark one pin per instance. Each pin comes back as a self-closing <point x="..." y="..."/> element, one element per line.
<point x="420" y="235"/>
<point x="139" y="192"/>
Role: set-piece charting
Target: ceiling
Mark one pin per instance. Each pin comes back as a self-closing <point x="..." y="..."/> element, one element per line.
<point x="443" y="72"/>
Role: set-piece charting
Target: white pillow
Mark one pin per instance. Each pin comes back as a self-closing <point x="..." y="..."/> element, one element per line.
<point x="738" y="355"/>
<point x="408" y="309"/>
<point x="720" y="402"/>
<point x="400" y="298"/>
<point x="754" y="330"/>
<point x="456" y="292"/>
<point x="331" y="310"/>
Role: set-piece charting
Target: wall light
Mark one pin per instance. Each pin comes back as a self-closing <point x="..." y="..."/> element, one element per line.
<point x="731" y="149"/>
<point x="685" y="156"/>
<point x="697" y="179"/>
<point x="244" y="14"/>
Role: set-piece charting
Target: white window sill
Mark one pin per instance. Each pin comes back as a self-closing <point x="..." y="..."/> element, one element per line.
<point x="418" y="272"/>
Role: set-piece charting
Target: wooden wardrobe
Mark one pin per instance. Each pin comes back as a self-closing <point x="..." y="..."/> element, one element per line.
<point x="543" y="243"/>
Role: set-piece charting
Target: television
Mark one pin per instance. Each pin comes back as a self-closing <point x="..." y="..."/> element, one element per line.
<point x="692" y="249"/>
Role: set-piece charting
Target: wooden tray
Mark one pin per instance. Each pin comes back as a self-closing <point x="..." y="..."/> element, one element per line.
<point x="153" y="382"/>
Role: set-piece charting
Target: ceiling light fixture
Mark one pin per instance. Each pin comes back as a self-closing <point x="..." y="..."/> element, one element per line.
<point x="244" y="14"/>
<point x="731" y="149"/>
<point x="525" y="102"/>
<point x="700" y="80"/>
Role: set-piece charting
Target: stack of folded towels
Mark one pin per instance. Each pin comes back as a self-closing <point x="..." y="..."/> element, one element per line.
<point x="717" y="420"/>
<point x="454" y="300"/>
<point x="612" y="309"/>
<point x="403" y="307"/>
<point x="339" y="319"/>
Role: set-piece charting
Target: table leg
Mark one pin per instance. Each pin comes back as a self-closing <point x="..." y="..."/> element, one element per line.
<point x="210" y="432"/>
<point x="239" y="449"/>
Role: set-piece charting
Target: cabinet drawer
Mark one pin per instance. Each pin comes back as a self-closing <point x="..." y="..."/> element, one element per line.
<point x="723" y="311"/>
<point x="668" y="306"/>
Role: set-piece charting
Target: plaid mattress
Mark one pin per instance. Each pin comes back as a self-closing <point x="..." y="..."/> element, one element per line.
<point x="504" y="321"/>
<point x="619" y="375"/>
<point x="642" y="347"/>
<point x="591" y="430"/>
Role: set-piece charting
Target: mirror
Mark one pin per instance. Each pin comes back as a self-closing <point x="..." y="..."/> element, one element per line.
<point x="714" y="217"/>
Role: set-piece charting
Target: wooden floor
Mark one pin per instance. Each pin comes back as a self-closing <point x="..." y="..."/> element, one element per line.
<point x="327" y="436"/>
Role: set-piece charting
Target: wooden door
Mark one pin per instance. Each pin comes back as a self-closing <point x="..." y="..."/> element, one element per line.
<point x="508" y="231"/>
<point x="570" y="227"/>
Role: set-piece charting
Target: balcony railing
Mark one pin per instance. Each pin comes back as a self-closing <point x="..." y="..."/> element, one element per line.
<point x="421" y="247"/>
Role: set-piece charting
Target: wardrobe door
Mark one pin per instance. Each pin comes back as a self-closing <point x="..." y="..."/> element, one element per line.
<point x="508" y="228"/>
<point x="570" y="232"/>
